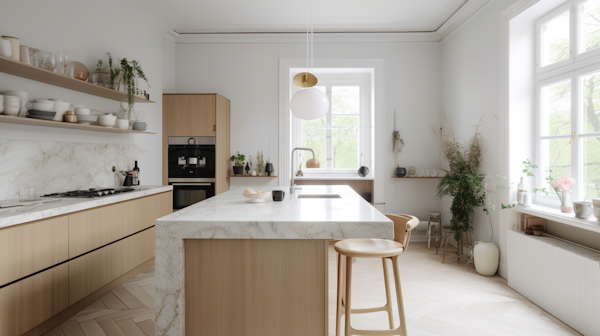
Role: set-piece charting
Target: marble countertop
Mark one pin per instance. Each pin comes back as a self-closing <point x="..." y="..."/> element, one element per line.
<point x="228" y="215"/>
<point x="29" y="213"/>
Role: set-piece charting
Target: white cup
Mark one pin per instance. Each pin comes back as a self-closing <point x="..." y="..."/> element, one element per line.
<point x="122" y="123"/>
<point x="82" y="111"/>
<point x="61" y="108"/>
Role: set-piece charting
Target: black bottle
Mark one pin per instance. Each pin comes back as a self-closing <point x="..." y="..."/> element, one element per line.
<point x="136" y="180"/>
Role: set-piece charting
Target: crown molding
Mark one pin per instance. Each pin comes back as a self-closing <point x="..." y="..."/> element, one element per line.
<point x="295" y="35"/>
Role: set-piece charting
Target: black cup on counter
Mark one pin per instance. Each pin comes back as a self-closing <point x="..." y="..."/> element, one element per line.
<point x="278" y="195"/>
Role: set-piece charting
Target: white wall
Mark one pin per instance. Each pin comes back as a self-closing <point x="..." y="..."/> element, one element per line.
<point x="247" y="74"/>
<point x="470" y="90"/>
<point x="168" y="68"/>
<point x="88" y="30"/>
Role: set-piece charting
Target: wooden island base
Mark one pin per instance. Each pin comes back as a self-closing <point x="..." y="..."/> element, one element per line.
<point x="256" y="287"/>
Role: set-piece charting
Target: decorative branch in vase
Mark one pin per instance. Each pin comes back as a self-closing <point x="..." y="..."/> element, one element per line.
<point x="397" y="147"/>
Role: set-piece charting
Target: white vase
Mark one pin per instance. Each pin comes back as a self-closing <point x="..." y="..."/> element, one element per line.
<point x="527" y="199"/>
<point x="5" y="48"/>
<point x="522" y="190"/>
<point x="486" y="257"/>
<point x="567" y="204"/>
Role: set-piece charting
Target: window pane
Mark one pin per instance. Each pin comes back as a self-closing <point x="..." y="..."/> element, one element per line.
<point x="556" y="156"/>
<point x="345" y="143"/>
<point x="591" y="168"/>
<point x="556" y="109"/>
<point x="590" y="25"/>
<point x="591" y="102"/>
<point x="309" y="129"/>
<point x="318" y="145"/>
<point x="555" y="40"/>
<point x="345" y="99"/>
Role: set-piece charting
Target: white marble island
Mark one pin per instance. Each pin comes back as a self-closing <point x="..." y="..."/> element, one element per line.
<point x="231" y="267"/>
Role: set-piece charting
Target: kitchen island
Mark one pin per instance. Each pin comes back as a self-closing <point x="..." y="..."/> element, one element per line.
<point x="228" y="267"/>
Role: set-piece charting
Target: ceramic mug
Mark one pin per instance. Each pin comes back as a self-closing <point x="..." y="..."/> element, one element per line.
<point x="5" y="48"/>
<point x="24" y="51"/>
<point x="122" y="124"/>
<point x="14" y="47"/>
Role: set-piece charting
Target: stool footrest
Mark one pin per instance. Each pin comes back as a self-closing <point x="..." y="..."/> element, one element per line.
<point x="397" y="331"/>
<point x="369" y="310"/>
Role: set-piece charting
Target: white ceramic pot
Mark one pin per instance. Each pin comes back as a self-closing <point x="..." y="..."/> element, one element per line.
<point x="486" y="257"/>
<point x="107" y="120"/>
<point x="15" y="47"/>
<point x="61" y="108"/>
<point x="5" y="48"/>
<point x="122" y="124"/>
<point x="82" y="111"/>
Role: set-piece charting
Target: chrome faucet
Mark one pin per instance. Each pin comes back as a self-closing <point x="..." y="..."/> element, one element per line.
<point x="312" y="162"/>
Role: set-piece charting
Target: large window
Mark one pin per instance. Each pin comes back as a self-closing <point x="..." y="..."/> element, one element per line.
<point x="341" y="139"/>
<point x="569" y="96"/>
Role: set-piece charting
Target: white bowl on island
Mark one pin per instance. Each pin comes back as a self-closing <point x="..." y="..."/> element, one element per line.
<point x="255" y="196"/>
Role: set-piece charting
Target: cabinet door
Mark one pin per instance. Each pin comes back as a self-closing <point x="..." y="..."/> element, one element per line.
<point x="29" y="248"/>
<point x="31" y="301"/>
<point x="96" y="269"/>
<point x="190" y="115"/>
<point x="91" y="229"/>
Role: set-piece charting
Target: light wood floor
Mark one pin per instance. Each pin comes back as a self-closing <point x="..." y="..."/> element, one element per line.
<point x="440" y="299"/>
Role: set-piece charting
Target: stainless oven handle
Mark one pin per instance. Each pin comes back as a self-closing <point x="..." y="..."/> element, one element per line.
<point x="191" y="184"/>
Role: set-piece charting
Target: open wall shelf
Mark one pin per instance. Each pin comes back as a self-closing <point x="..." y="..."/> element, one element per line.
<point x="19" y="69"/>
<point x="60" y="124"/>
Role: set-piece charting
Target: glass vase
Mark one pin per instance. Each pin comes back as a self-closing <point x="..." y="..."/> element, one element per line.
<point x="566" y="205"/>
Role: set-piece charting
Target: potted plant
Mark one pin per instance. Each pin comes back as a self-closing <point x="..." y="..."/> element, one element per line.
<point x="102" y="74"/>
<point x="129" y="72"/>
<point x="238" y="166"/>
<point x="397" y="147"/>
<point x="462" y="181"/>
<point x="115" y="74"/>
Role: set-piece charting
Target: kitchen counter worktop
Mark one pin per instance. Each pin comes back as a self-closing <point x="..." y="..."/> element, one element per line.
<point x="229" y="216"/>
<point x="30" y="213"/>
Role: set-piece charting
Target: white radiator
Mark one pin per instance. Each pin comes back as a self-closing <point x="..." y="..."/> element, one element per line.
<point x="561" y="278"/>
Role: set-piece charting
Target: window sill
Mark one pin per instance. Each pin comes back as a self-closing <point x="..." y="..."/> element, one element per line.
<point x="336" y="177"/>
<point x="554" y="214"/>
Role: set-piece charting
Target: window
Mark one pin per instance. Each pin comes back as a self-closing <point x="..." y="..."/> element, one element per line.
<point x="341" y="139"/>
<point x="569" y="97"/>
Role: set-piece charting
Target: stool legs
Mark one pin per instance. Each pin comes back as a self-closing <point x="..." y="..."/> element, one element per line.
<point x="348" y="303"/>
<point x="343" y="305"/>
<point x="388" y="295"/>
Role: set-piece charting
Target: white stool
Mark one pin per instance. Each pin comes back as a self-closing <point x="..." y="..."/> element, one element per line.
<point x="373" y="248"/>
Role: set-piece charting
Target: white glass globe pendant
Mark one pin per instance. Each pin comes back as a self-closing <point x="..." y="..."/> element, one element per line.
<point x="309" y="104"/>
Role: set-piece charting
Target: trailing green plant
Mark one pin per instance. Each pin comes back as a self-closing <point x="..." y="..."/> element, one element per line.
<point x="238" y="159"/>
<point x="129" y="72"/>
<point x="528" y="167"/>
<point x="99" y="65"/>
<point x="528" y="171"/>
<point x="114" y="73"/>
<point x="462" y="180"/>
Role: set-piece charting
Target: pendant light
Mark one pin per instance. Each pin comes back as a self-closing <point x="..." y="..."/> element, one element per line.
<point x="309" y="103"/>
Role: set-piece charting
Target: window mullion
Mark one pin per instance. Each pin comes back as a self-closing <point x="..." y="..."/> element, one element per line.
<point x="328" y="140"/>
<point x="576" y="109"/>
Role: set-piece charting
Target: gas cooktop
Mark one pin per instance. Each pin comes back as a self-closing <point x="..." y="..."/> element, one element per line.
<point x="92" y="192"/>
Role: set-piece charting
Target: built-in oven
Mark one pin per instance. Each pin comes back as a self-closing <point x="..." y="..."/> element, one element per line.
<point x="191" y="169"/>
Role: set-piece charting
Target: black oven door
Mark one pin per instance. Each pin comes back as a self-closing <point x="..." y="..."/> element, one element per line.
<point x="191" y="161"/>
<point x="188" y="193"/>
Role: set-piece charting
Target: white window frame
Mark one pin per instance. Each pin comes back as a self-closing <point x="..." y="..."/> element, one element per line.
<point x="361" y="80"/>
<point x="575" y="68"/>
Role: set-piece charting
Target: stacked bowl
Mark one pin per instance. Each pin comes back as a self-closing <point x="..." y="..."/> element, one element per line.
<point x="596" y="204"/>
<point x="41" y="109"/>
<point x="11" y="106"/>
<point x="83" y="116"/>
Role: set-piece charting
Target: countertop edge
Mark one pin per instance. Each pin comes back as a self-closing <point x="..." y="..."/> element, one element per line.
<point x="63" y="209"/>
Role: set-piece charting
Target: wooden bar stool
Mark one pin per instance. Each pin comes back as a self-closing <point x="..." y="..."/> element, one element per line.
<point x="373" y="248"/>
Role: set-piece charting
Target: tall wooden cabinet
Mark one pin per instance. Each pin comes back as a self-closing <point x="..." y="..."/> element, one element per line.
<point x="199" y="114"/>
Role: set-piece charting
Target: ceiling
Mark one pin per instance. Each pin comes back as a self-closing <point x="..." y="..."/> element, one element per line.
<point x="194" y="17"/>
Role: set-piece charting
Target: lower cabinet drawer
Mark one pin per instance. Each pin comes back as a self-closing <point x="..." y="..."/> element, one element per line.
<point x="29" y="302"/>
<point x="96" y="269"/>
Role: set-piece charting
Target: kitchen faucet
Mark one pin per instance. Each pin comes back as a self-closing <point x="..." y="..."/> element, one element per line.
<point x="312" y="163"/>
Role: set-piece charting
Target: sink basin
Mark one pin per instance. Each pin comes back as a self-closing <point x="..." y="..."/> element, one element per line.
<point x="319" y="196"/>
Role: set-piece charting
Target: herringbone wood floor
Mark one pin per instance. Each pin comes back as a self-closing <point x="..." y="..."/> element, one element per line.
<point x="440" y="299"/>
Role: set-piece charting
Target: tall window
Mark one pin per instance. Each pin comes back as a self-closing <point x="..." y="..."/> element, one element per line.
<point x="341" y="139"/>
<point x="568" y="79"/>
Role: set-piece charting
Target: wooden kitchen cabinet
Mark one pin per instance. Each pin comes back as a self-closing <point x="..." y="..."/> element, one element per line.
<point x="93" y="228"/>
<point x="199" y="114"/>
<point x="32" y="247"/>
<point x="31" y="301"/>
<point x="190" y="115"/>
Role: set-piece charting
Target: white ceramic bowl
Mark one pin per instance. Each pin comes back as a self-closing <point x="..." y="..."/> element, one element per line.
<point x="55" y="99"/>
<point x="43" y="106"/>
<point x="86" y="119"/>
<point x="256" y="198"/>
<point x="44" y="101"/>
<point x="11" y="110"/>
<point x="122" y="124"/>
<point x="82" y="111"/>
<point x="107" y="120"/>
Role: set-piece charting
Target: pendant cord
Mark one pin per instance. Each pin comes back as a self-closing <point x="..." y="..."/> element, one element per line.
<point x="308" y="36"/>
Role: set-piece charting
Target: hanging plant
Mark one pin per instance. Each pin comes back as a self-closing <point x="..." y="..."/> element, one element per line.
<point x="397" y="142"/>
<point x="129" y="72"/>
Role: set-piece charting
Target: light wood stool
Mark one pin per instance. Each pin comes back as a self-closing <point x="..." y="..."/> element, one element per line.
<point x="373" y="248"/>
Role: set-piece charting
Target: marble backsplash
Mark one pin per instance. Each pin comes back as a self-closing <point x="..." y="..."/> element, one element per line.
<point x="61" y="166"/>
